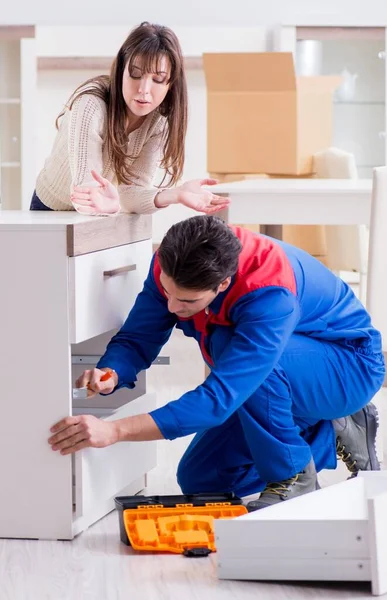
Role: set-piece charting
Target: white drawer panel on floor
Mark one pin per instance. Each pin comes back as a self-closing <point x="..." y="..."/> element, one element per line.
<point x="103" y="287"/>
<point x="337" y="533"/>
<point x="101" y="473"/>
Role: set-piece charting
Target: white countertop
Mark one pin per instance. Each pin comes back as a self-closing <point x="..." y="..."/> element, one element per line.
<point x="294" y="186"/>
<point x="298" y="201"/>
<point x="83" y="233"/>
<point x="25" y="219"/>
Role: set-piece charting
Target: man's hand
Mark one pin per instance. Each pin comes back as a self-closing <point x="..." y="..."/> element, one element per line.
<point x="96" y="381"/>
<point x="75" y="433"/>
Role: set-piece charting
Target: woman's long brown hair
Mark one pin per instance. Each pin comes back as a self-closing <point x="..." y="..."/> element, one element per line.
<point x="148" y="43"/>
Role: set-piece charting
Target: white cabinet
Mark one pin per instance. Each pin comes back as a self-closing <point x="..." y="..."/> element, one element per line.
<point x="358" y="55"/>
<point x="18" y="73"/>
<point x="50" y="264"/>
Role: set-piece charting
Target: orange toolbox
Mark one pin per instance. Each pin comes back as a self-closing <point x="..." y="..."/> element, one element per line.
<point x="180" y="524"/>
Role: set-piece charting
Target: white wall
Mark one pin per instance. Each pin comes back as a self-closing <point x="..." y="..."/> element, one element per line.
<point x="103" y="40"/>
<point x="201" y="13"/>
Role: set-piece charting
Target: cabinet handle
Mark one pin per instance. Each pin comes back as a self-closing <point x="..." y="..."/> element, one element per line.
<point x="119" y="271"/>
<point x="382" y="55"/>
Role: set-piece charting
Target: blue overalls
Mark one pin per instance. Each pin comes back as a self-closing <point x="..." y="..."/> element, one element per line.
<point x="290" y="347"/>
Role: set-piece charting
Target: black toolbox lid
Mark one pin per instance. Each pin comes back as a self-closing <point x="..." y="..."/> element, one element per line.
<point x="127" y="502"/>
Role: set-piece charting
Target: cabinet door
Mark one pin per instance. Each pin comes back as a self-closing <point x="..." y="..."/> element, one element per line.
<point x="102" y="473"/>
<point x="357" y="54"/>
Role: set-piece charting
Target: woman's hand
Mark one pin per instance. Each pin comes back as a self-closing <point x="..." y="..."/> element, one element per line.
<point x="96" y="200"/>
<point x="193" y="195"/>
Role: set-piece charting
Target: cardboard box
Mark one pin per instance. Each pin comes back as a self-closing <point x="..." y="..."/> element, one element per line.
<point x="311" y="238"/>
<point x="230" y="177"/>
<point x="261" y="118"/>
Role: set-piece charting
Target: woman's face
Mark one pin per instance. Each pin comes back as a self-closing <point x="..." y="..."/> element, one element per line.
<point x="144" y="92"/>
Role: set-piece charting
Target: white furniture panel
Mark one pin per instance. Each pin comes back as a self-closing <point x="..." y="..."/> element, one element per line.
<point x="36" y="310"/>
<point x="100" y="473"/>
<point x="377" y="286"/>
<point x="103" y="287"/>
<point x="334" y="534"/>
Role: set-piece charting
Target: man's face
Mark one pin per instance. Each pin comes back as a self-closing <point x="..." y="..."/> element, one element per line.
<point x="186" y="303"/>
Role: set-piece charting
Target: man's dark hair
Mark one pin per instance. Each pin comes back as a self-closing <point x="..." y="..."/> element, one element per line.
<point x="199" y="253"/>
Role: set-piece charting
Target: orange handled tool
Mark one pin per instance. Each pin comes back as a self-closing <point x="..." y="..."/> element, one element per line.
<point x="107" y="376"/>
<point x="81" y="393"/>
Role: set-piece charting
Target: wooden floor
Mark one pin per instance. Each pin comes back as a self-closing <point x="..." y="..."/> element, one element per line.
<point x="96" y="566"/>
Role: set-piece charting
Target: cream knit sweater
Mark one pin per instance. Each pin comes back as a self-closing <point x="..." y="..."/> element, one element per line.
<point x="78" y="148"/>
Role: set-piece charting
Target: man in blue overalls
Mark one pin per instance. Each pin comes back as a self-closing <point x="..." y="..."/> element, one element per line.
<point x="294" y="364"/>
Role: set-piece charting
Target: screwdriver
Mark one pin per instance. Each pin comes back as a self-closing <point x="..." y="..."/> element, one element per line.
<point x="82" y="393"/>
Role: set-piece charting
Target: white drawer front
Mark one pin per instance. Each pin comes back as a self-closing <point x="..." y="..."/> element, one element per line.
<point x="101" y="473"/>
<point x="103" y="287"/>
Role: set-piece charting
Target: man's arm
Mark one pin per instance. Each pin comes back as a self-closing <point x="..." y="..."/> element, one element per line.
<point x="264" y="321"/>
<point x="133" y="349"/>
<point x="139" y="341"/>
<point x="86" y="431"/>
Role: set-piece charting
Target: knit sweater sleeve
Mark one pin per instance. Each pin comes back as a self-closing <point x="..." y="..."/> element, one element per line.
<point x="85" y="147"/>
<point x="85" y="139"/>
<point x="139" y="196"/>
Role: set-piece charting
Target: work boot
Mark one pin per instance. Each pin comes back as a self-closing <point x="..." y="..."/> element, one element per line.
<point x="302" y="483"/>
<point x="356" y="438"/>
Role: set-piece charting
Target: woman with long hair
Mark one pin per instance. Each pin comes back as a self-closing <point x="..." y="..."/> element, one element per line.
<point x="115" y="131"/>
